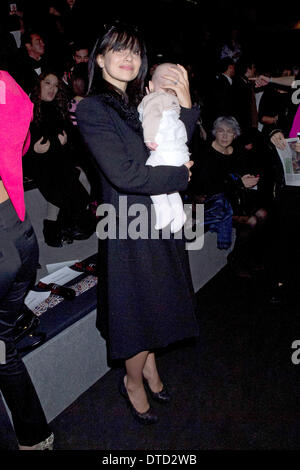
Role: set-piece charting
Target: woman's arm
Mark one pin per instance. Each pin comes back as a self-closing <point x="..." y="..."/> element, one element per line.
<point x="115" y="158"/>
<point x="263" y="80"/>
<point x="269" y="119"/>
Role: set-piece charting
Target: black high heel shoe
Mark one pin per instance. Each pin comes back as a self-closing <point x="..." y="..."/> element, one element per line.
<point x="52" y="233"/>
<point x="161" y="397"/>
<point x="144" y="418"/>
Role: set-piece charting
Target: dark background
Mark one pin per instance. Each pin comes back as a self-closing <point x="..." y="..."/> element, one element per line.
<point x="176" y="28"/>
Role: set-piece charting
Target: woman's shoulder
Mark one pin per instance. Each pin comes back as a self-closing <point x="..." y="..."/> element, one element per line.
<point x="89" y="102"/>
<point x="90" y="106"/>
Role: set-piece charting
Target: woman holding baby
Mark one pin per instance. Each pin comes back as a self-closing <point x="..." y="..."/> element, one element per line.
<point x="146" y="296"/>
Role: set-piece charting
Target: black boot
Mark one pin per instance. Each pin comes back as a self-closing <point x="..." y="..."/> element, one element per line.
<point x="80" y="227"/>
<point x="52" y="233"/>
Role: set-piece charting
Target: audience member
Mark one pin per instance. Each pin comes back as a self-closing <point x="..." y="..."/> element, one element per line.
<point x="50" y="163"/>
<point x="19" y="259"/>
<point x="219" y="99"/>
<point x="54" y="30"/>
<point x="245" y="110"/>
<point x="220" y="176"/>
<point x="80" y="54"/>
<point x="231" y="48"/>
<point x="276" y="109"/>
<point x="8" y="49"/>
<point x="81" y="154"/>
<point x="16" y="28"/>
<point x="78" y="84"/>
<point x="32" y="60"/>
<point x="75" y="20"/>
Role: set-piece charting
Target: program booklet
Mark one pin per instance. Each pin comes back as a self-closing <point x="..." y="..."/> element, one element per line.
<point x="290" y="160"/>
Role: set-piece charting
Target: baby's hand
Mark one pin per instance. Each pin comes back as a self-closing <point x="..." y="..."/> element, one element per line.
<point x="152" y="145"/>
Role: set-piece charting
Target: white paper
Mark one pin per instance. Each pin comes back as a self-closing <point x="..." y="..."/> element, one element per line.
<point x="62" y="276"/>
<point x="51" y="268"/>
<point x="290" y="160"/>
<point x="34" y="298"/>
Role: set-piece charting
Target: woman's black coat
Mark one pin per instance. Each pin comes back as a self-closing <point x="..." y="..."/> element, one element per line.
<point x="54" y="172"/>
<point x="145" y="291"/>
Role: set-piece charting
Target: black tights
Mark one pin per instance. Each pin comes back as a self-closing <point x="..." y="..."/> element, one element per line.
<point x="285" y="235"/>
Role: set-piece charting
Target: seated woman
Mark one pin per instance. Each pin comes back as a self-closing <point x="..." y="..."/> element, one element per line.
<point x="220" y="177"/>
<point x="285" y="222"/>
<point x="50" y="164"/>
<point x="276" y="110"/>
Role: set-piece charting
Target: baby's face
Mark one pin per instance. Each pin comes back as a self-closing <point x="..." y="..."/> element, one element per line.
<point x="159" y="82"/>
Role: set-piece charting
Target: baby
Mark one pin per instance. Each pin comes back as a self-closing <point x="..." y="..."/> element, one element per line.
<point x="165" y="135"/>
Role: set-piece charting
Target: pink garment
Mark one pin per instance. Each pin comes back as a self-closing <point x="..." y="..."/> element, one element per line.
<point x="296" y="124"/>
<point x="15" y="113"/>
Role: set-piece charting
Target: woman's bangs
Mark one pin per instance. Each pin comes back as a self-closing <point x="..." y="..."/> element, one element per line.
<point x="123" y="40"/>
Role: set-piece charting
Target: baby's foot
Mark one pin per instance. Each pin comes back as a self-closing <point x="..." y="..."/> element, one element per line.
<point x="163" y="215"/>
<point x="178" y="222"/>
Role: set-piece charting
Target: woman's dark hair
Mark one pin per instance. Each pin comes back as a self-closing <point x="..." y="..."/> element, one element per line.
<point x="79" y="79"/>
<point x="119" y="37"/>
<point x="60" y="100"/>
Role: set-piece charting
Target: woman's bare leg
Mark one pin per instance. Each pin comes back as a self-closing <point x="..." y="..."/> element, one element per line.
<point x="134" y="381"/>
<point x="151" y="374"/>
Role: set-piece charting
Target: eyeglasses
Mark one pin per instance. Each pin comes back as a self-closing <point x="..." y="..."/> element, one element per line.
<point x="223" y="132"/>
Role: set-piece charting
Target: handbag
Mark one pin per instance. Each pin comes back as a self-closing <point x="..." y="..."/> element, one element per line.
<point x="25" y="325"/>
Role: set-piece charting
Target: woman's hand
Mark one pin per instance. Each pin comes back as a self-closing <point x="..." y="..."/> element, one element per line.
<point x="250" y="181"/>
<point x="278" y="140"/>
<point x="180" y="85"/>
<point x="41" y="148"/>
<point x="261" y="80"/>
<point x="63" y="138"/>
<point x="189" y="164"/>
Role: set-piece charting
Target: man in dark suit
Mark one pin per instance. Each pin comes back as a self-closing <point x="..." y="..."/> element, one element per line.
<point x="219" y="101"/>
<point x="245" y="110"/>
<point x="32" y="60"/>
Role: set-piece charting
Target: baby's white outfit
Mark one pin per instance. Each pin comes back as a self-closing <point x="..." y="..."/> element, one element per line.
<point x="159" y="113"/>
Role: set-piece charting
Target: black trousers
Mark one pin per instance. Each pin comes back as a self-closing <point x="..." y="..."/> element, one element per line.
<point x="285" y="234"/>
<point x="18" y="260"/>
